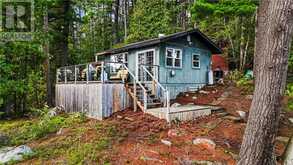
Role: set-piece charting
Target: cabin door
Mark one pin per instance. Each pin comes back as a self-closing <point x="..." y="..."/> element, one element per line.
<point x="146" y="59"/>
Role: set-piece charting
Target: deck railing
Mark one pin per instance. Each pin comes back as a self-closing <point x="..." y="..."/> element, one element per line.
<point x="102" y="72"/>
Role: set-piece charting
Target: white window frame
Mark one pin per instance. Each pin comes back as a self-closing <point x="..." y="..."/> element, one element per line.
<point x="124" y="58"/>
<point x="142" y="52"/>
<point x="173" y="58"/>
<point x="192" y="60"/>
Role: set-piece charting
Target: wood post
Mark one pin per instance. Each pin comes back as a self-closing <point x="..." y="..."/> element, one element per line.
<point x="135" y="96"/>
<point x="75" y="74"/>
<point x="102" y="72"/>
<point x="168" y="106"/>
<point x="87" y="74"/>
<point x="65" y="75"/>
<point x="145" y="101"/>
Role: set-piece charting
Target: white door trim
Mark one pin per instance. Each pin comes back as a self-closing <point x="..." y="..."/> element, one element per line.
<point x="144" y="51"/>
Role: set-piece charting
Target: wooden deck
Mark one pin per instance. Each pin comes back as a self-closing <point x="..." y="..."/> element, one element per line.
<point x="181" y="113"/>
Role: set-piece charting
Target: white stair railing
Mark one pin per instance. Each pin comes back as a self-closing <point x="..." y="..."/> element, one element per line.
<point x="166" y="96"/>
<point x="136" y="81"/>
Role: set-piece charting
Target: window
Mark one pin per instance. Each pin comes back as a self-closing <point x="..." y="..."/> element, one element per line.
<point x="196" y="61"/>
<point x="174" y="58"/>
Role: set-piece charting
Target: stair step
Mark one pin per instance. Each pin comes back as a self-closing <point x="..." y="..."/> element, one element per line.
<point x="153" y="105"/>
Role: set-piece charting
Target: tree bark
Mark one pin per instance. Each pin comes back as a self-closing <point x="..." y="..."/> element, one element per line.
<point x="65" y="32"/>
<point x="47" y="62"/>
<point x="273" y="37"/>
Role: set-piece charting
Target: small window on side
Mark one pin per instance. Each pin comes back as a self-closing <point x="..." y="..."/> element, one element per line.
<point x="196" y="61"/>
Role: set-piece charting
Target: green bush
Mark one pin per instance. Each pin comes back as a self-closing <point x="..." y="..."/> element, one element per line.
<point x="289" y="90"/>
<point x="246" y="85"/>
<point x="40" y="127"/>
<point x="234" y="76"/>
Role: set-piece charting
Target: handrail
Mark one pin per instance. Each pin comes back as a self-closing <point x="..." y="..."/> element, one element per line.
<point x="135" y="78"/>
<point x="142" y="87"/>
<point x="161" y="86"/>
<point x="166" y="93"/>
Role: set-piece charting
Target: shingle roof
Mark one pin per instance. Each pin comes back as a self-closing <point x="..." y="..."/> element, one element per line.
<point x="202" y="37"/>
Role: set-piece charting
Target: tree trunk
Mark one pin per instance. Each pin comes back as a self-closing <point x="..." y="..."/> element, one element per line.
<point x="65" y="33"/>
<point x="116" y="21"/>
<point x="273" y="37"/>
<point x="47" y="62"/>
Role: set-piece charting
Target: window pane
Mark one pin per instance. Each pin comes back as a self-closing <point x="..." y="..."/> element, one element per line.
<point x="169" y="62"/>
<point x="196" y="64"/>
<point x="178" y="53"/>
<point x="177" y="63"/>
<point x="169" y="52"/>
<point x="195" y="57"/>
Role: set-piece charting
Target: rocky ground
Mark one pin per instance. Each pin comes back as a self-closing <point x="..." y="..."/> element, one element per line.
<point x="135" y="138"/>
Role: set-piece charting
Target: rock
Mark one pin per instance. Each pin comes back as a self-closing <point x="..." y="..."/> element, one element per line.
<point x="175" y="105"/>
<point x="14" y="154"/>
<point x="233" y="118"/>
<point x="291" y="120"/>
<point x="185" y="161"/>
<point x="226" y="94"/>
<point x="204" y="92"/>
<point x="173" y="132"/>
<point x="4" y="140"/>
<point x="60" y="131"/>
<point x="205" y="142"/>
<point x="145" y="158"/>
<point x="186" y="95"/>
<point x="119" y="117"/>
<point x="166" y="142"/>
<point x="222" y="114"/>
<point x="242" y="114"/>
<point x="52" y="113"/>
<point x="221" y="99"/>
<point x="283" y="139"/>
<point x="205" y="162"/>
<point x="249" y="97"/>
<point x="129" y="119"/>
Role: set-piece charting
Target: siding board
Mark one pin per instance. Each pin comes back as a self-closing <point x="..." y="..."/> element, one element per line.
<point x="95" y="100"/>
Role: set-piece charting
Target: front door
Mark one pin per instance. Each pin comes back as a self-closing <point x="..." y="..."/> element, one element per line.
<point x="146" y="59"/>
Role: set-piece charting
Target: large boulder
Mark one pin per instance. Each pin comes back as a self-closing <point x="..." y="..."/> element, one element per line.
<point x="14" y="153"/>
<point x="205" y="142"/>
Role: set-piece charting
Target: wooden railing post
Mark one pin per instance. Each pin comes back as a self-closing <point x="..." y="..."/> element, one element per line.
<point x="102" y="72"/>
<point x="87" y="73"/>
<point x="145" y="101"/>
<point x="57" y="78"/>
<point x="135" y="96"/>
<point x="65" y="75"/>
<point x="75" y="74"/>
<point x="168" y="106"/>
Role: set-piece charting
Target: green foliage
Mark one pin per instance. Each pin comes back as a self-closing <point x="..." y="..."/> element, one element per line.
<point x="231" y="23"/>
<point x="289" y="90"/>
<point x="25" y="131"/>
<point x="234" y="76"/>
<point x="246" y="85"/>
<point x="149" y="19"/>
<point x="289" y="93"/>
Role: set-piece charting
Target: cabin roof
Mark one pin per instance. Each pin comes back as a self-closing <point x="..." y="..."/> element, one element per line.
<point x="151" y="42"/>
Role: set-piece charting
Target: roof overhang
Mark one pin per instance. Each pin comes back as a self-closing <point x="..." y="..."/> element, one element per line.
<point x="147" y="43"/>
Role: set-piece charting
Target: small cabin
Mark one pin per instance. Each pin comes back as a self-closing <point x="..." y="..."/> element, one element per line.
<point x="145" y="75"/>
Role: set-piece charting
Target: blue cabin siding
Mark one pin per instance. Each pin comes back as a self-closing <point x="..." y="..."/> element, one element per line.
<point x="186" y="77"/>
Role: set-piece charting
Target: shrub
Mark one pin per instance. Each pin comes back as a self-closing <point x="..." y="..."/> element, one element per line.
<point x="234" y="76"/>
<point x="40" y="127"/>
<point x="289" y="90"/>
